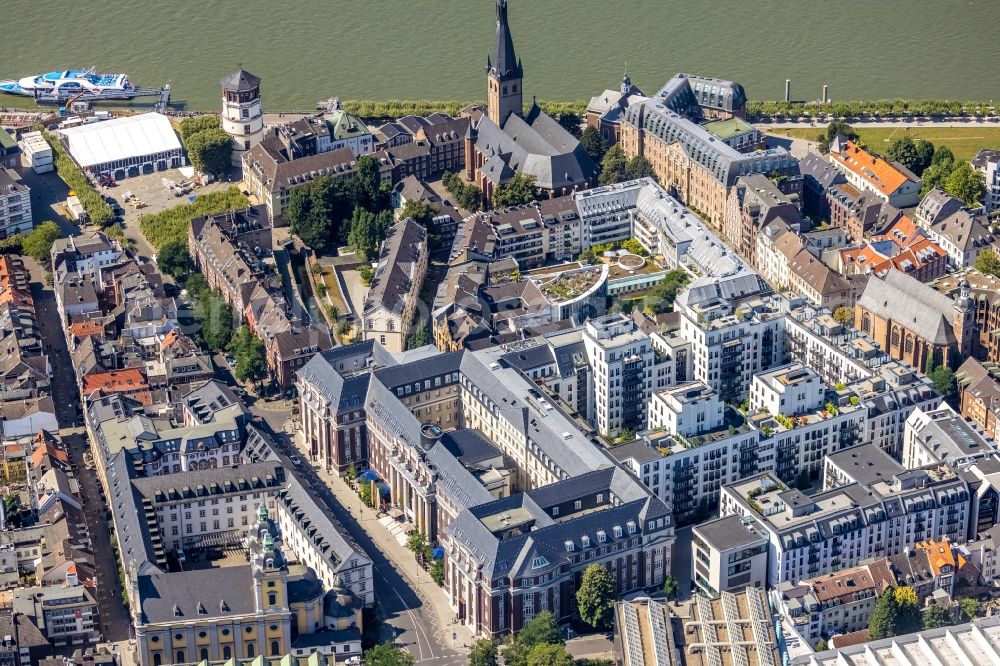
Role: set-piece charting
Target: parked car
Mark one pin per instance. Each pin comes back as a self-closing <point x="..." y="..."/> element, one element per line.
<point x="295" y="460"/>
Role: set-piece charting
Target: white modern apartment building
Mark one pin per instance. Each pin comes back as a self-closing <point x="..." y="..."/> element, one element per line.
<point x="15" y="204"/>
<point x="728" y="555"/>
<point x="942" y="435"/>
<point x="791" y="390"/>
<point x="987" y="162"/>
<point x="730" y="343"/>
<point x="624" y="365"/>
<point x="840" y="527"/>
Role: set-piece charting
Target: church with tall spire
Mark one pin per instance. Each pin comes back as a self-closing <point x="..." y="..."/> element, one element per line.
<point x="504" y="139"/>
<point x="503" y="73"/>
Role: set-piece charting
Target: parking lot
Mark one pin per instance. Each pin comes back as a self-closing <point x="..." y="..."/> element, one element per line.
<point x="150" y="190"/>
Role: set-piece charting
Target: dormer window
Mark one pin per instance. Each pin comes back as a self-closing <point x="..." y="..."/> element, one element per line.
<point x="602" y="536"/>
<point x="617" y="529"/>
<point x="569" y="546"/>
<point x="585" y="541"/>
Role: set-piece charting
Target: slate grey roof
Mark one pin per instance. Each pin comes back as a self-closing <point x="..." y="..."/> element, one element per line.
<point x="326" y="532"/>
<point x="252" y="477"/>
<point x="817" y="169"/>
<point x="866" y="463"/>
<point x="469" y="446"/>
<point x="535" y="145"/>
<point x="240" y="81"/>
<point x="906" y="300"/>
<point x="454" y="479"/>
<point x="503" y="61"/>
<point x="729" y="532"/>
<point x="176" y="596"/>
<point x="401" y="252"/>
<point x="131" y="531"/>
<point x="725" y="163"/>
<point x="407" y="373"/>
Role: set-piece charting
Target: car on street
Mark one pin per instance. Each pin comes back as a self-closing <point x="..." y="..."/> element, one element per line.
<point x="295" y="460"/>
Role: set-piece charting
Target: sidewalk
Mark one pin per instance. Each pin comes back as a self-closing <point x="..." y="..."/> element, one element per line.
<point x="406" y="564"/>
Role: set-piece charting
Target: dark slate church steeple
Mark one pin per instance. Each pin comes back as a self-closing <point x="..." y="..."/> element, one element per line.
<point x="503" y="72"/>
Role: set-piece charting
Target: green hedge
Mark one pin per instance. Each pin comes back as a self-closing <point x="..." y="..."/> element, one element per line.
<point x="882" y="108"/>
<point x="98" y="210"/>
<point x="372" y="110"/>
<point x="172" y="224"/>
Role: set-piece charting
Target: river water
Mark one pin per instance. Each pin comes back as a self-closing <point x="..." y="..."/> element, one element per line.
<point x="307" y="50"/>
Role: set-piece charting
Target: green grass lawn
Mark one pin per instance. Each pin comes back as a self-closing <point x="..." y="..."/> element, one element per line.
<point x="965" y="142"/>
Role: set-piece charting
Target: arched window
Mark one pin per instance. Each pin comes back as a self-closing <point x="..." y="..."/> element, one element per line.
<point x="157" y="659"/>
<point x="204" y="654"/>
<point x="894" y="338"/>
<point x="227" y="652"/>
<point x="866" y="323"/>
<point x="250" y="649"/>
<point x="275" y="648"/>
<point x="180" y="656"/>
<point x="909" y="343"/>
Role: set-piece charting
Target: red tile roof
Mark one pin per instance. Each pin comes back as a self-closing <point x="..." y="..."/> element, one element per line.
<point x="877" y="172"/>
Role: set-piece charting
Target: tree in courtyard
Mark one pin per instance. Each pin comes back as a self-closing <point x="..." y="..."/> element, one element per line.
<point x="195" y="124"/>
<point x="832" y="130"/>
<point x="933" y="178"/>
<point x="570" y="122"/>
<point x="174" y="259"/>
<point x="844" y="315"/>
<point x="614" y="166"/>
<point x="215" y="316"/>
<point x="248" y="351"/>
<point x="634" y="246"/>
<point x="549" y="654"/>
<point x="988" y="263"/>
<point x="210" y="150"/>
<point x="802" y="481"/>
<point x="365" y="493"/>
<point x="471" y="198"/>
<point x="908" y="618"/>
<point x="37" y="243"/>
<point x="944" y="381"/>
<point x="882" y="623"/>
<point x="925" y="153"/>
<point x="367" y="187"/>
<point x="367" y="274"/>
<point x="541" y="629"/>
<point x="368" y="230"/>
<point x="387" y="654"/>
<point x="421" y="336"/>
<point x="660" y="298"/>
<point x="670" y="586"/>
<point x="436" y="571"/>
<point x="821" y="646"/>
<point x="420" y="211"/>
<point x="904" y="151"/>
<point x="943" y="157"/>
<point x="483" y="653"/>
<point x="595" y="598"/>
<point x="969" y="609"/>
<point x="593" y="143"/>
<point x="639" y="167"/>
<point x="517" y="191"/>
<point x="416" y="542"/>
<point x="196" y="285"/>
<point x="937" y="616"/>
<point x="966" y="183"/>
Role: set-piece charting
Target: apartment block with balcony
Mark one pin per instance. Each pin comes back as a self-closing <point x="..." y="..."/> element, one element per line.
<point x="839" y="527"/>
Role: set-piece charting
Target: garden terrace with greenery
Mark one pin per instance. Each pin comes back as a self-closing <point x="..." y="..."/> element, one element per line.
<point x="569" y="285"/>
<point x="172" y="224"/>
<point x="734" y="424"/>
